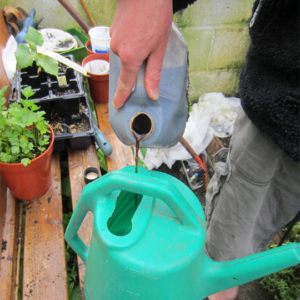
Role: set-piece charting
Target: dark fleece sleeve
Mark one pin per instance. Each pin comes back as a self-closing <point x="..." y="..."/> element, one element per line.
<point x="269" y="81"/>
<point x="181" y="4"/>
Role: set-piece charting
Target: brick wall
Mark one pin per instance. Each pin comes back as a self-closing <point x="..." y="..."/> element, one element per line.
<point x="217" y="37"/>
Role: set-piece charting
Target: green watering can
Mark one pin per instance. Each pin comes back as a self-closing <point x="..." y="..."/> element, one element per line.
<point x="148" y="242"/>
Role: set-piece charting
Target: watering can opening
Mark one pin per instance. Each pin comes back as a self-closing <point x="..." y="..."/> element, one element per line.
<point x="120" y="222"/>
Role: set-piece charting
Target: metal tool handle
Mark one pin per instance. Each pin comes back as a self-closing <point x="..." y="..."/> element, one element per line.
<point x="102" y="142"/>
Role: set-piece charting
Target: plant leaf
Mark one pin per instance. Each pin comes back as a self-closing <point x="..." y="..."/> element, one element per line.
<point x="34" y="38"/>
<point x="24" y="57"/>
<point x="2" y="91"/>
<point x="5" y="157"/>
<point x="25" y="162"/>
<point x="49" y="64"/>
<point x="65" y="187"/>
<point x="14" y="141"/>
<point x="15" y="149"/>
<point x="144" y="152"/>
<point x="75" y="294"/>
<point x="27" y="93"/>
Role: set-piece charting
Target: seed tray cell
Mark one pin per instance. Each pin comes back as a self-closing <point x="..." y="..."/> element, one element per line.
<point x="75" y="130"/>
<point x="46" y="86"/>
<point x="70" y="89"/>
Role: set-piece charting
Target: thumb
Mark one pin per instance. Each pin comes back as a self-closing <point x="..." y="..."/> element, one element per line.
<point x="152" y="75"/>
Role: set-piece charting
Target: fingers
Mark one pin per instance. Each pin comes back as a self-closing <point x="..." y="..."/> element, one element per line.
<point x="125" y="84"/>
<point x="153" y="73"/>
<point x="128" y="76"/>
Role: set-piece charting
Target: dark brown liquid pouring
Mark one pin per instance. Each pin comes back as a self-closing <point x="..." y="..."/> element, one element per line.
<point x="138" y="138"/>
<point x="140" y="129"/>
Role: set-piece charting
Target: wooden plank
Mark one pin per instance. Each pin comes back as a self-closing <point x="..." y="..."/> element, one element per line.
<point x="214" y="146"/>
<point x="2" y="207"/>
<point x="44" y="274"/>
<point x="10" y="249"/>
<point x="122" y="155"/>
<point x="79" y="160"/>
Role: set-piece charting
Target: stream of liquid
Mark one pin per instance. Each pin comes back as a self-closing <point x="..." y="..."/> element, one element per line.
<point x="138" y="138"/>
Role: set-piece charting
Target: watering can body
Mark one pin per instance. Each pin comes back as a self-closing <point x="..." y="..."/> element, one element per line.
<point x="161" y="122"/>
<point x="162" y="255"/>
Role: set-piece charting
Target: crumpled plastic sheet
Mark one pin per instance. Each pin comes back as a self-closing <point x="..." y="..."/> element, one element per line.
<point x="9" y="58"/>
<point x="213" y="115"/>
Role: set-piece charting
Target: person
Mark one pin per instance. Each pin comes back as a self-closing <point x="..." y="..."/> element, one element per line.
<point x="254" y="192"/>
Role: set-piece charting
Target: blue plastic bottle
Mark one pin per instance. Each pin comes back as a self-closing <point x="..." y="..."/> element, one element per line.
<point x="159" y="123"/>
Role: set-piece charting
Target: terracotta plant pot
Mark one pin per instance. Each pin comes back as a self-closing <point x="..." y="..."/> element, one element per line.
<point x="98" y="83"/>
<point x="89" y="50"/>
<point x="88" y="47"/>
<point x="32" y="181"/>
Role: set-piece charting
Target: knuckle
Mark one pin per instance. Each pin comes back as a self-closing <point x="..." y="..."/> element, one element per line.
<point x="127" y="56"/>
<point x="114" y="46"/>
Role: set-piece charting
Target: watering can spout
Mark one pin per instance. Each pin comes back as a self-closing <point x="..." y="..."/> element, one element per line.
<point x="224" y="275"/>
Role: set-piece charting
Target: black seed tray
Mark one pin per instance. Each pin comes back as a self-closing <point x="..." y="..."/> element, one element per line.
<point x="46" y="86"/>
<point x="62" y="125"/>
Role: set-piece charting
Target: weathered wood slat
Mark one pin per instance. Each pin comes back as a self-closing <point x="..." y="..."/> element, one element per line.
<point x="122" y="155"/>
<point x="17" y="253"/>
<point x="3" y="189"/>
<point x="44" y="274"/>
<point x="10" y="249"/>
<point x="79" y="160"/>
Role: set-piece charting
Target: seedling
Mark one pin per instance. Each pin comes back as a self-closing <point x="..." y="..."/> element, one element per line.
<point x="24" y="132"/>
<point x="27" y="54"/>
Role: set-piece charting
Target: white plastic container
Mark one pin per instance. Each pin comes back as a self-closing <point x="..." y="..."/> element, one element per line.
<point x="98" y="67"/>
<point x="100" y="39"/>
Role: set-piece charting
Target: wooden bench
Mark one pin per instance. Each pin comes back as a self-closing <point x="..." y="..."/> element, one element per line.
<point x="43" y="260"/>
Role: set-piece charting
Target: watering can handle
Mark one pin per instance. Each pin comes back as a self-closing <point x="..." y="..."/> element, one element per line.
<point x="153" y="187"/>
<point x="131" y="182"/>
<point x="71" y="235"/>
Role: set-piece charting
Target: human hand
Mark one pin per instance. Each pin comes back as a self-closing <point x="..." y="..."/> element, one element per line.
<point x="229" y="294"/>
<point x="140" y="31"/>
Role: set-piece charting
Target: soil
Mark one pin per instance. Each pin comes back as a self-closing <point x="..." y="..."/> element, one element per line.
<point x="80" y="126"/>
<point x="65" y="43"/>
<point x="61" y="93"/>
<point x="58" y="124"/>
<point x="62" y="68"/>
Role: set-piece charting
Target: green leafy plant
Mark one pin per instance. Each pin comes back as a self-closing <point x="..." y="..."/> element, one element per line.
<point x="24" y="132"/>
<point x="101" y="159"/>
<point x="27" y="54"/>
<point x="285" y="285"/>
